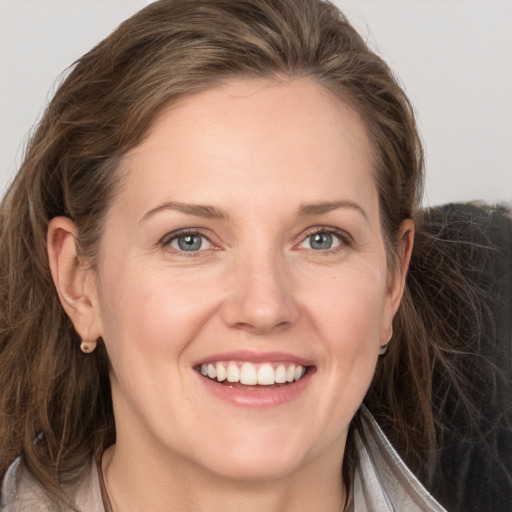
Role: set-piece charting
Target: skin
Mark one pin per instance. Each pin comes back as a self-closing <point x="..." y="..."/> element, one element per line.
<point x="258" y="152"/>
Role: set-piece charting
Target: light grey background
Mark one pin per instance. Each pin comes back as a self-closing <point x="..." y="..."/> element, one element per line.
<point x="454" y="58"/>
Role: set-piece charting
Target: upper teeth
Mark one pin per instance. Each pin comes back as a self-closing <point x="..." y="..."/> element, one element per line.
<point x="250" y="374"/>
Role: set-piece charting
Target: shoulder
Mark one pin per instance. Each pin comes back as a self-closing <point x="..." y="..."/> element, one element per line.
<point x="381" y="480"/>
<point x="21" y="492"/>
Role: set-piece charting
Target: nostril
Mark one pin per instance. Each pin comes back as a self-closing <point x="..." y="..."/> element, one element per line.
<point x="259" y="327"/>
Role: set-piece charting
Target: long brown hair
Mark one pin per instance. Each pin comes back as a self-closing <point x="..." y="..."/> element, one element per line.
<point x="52" y="392"/>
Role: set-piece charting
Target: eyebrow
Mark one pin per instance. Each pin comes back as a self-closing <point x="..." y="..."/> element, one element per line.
<point x="212" y="212"/>
<point x="307" y="210"/>
<point x="197" y="210"/>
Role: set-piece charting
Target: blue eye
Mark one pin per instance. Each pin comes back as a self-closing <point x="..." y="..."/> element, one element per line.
<point x="322" y="241"/>
<point x="189" y="242"/>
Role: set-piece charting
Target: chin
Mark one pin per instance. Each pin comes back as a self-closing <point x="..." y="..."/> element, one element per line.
<point x="258" y="456"/>
<point x="259" y="468"/>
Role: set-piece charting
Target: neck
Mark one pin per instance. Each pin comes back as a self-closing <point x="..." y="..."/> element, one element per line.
<point x="131" y="485"/>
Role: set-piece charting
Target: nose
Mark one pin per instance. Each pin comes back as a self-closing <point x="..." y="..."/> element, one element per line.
<point x="261" y="300"/>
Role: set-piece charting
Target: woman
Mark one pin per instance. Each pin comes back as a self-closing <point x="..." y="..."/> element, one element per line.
<point x="205" y="254"/>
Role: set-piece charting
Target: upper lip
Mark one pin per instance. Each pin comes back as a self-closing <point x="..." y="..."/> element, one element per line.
<point x="255" y="357"/>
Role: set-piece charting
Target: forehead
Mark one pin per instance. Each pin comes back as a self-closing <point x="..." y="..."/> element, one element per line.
<point x="253" y="138"/>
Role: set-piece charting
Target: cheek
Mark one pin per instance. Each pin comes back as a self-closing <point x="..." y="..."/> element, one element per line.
<point x="348" y="316"/>
<point x="152" y="309"/>
<point x="348" y="307"/>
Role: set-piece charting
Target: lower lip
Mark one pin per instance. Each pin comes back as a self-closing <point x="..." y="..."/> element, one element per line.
<point x="258" y="397"/>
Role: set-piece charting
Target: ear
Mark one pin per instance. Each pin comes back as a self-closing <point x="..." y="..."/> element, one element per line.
<point x="75" y="283"/>
<point x="405" y="242"/>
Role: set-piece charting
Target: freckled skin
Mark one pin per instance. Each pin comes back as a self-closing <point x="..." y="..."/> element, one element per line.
<point x="257" y="151"/>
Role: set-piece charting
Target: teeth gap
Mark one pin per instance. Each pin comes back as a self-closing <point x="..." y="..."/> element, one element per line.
<point x="249" y="375"/>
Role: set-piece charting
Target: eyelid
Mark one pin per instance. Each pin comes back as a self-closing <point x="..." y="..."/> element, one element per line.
<point x="344" y="237"/>
<point x="166" y="240"/>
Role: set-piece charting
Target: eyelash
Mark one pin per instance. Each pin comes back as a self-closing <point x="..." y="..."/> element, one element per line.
<point x="166" y="241"/>
<point x="343" y="237"/>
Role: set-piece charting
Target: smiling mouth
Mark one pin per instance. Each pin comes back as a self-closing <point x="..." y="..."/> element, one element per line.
<point x="245" y="374"/>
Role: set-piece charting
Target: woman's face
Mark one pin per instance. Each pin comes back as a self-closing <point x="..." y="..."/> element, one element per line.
<point x="245" y="244"/>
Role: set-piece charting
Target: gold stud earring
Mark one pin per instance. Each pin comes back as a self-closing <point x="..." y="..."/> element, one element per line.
<point x="86" y="347"/>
